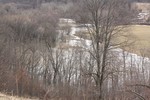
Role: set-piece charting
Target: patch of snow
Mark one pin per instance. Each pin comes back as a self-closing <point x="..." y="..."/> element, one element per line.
<point x="69" y="21"/>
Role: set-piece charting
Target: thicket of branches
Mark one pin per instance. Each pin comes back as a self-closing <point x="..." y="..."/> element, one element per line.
<point x="23" y="35"/>
<point x="32" y="64"/>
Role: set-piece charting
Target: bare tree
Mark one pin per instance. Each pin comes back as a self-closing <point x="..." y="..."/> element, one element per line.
<point x="104" y="16"/>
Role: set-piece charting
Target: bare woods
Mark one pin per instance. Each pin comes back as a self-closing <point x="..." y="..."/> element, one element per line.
<point x="37" y="61"/>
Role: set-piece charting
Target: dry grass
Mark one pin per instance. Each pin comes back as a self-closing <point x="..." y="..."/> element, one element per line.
<point x="7" y="97"/>
<point x="138" y="37"/>
<point x="142" y="34"/>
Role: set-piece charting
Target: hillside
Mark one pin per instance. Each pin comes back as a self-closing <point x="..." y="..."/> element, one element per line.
<point x="69" y="50"/>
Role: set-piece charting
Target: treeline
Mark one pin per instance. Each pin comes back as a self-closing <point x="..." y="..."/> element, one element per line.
<point x="37" y="3"/>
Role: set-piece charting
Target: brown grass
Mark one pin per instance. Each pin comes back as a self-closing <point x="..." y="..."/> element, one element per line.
<point x="8" y="97"/>
<point x="142" y="35"/>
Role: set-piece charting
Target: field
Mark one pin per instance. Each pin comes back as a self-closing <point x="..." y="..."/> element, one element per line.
<point x="139" y="37"/>
<point x="142" y="38"/>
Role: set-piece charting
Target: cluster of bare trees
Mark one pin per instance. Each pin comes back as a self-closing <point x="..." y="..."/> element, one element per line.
<point x="23" y="34"/>
<point x="31" y="63"/>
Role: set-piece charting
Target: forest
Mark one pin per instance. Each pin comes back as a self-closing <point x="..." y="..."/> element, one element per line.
<point x="74" y="50"/>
